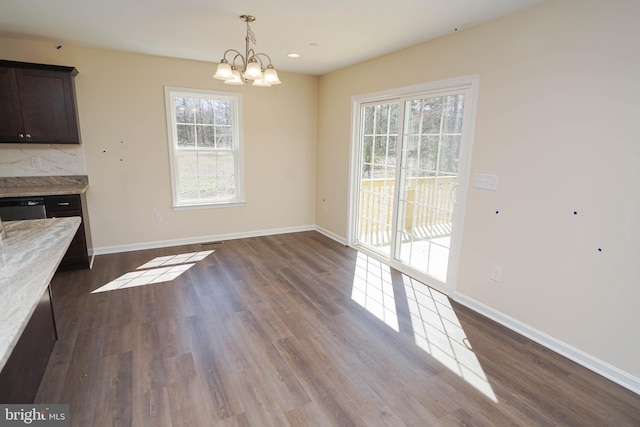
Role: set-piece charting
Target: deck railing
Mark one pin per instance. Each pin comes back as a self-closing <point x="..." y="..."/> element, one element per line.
<point x="426" y="208"/>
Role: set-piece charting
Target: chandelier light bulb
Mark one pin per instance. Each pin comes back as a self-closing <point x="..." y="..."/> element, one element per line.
<point x="236" y="78"/>
<point x="253" y="71"/>
<point x="223" y="72"/>
<point x="271" y="75"/>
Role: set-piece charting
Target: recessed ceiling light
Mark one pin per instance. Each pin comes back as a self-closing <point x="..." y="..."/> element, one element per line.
<point x="294" y="55"/>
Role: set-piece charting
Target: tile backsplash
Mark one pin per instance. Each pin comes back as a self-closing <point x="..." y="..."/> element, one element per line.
<point x="41" y="160"/>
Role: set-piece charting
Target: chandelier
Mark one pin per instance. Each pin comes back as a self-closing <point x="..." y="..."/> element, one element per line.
<point x="249" y="66"/>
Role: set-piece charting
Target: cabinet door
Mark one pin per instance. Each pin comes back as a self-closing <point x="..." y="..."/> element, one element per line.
<point x="48" y="106"/>
<point x="10" y="117"/>
<point x="23" y="371"/>
<point x="64" y="206"/>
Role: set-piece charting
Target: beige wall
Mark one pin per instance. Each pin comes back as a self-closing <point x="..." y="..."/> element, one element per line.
<point x="558" y="121"/>
<point x="124" y="134"/>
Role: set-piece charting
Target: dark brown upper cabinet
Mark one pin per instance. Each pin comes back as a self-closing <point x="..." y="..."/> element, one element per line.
<point x="37" y="104"/>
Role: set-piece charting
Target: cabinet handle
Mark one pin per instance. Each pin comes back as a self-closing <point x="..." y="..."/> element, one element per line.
<point x="28" y="136"/>
<point x="63" y="203"/>
<point x="22" y="135"/>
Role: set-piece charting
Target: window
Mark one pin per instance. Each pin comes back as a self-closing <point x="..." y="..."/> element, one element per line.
<point x="204" y="147"/>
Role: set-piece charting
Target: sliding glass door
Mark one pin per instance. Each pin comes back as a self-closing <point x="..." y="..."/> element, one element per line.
<point x="407" y="161"/>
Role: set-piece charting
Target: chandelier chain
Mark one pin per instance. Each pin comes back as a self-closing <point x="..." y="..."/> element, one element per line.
<point x="250" y="34"/>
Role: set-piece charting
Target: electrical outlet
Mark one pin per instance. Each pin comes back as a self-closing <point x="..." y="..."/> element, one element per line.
<point x="486" y="182"/>
<point x="35" y="162"/>
<point x="324" y="206"/>
<point x="158" y="217"/>
<point x="496" y="273"/>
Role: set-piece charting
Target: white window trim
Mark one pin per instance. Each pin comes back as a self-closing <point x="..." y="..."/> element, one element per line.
<point x="239" y="200"/>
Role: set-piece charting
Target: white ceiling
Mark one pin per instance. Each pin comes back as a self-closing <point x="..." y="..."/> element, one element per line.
<point x="329" y="34"/>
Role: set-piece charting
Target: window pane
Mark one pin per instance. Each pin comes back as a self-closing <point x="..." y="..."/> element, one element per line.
<point x="205" y="136"/>
<point x="184" y="109"/>
<point x="188" y="162"/>
<point x="367" y="156"/>
<point x="188" y="188"/>
<point x="393" y="118"/>
<point x="223" y="112"/>
<point x="453" y="111"/>
<point x="188" y="178"/>
<point x="382" y="119"/>
<point x="186" y="135"/>
<point x="428" y="155"/>
<point x="205" y="113"/>
<point x="207" y="188"/>
<point x="367" y="148"/>
<point x="207" y="173"/>
<point x="413" y="110"/>
<point x="367" y="122"/>
<point x="391" y="153"/>
<point x="449" y="154"/>
<point x="380" y="154"/>
<point x="224" y="137"/>
<point x="431" y="115"/>
<point x="225" y="166"/>
<point x="206" y="163"/>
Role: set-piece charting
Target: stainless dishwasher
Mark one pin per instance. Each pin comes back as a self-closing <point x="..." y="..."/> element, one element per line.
<point x="18" y="208"/>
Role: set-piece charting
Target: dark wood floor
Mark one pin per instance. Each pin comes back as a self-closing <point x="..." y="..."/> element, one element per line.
<point x="298" y="330"/>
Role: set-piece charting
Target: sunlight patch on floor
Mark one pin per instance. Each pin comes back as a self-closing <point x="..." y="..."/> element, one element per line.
<point x="434" y="324"/>
<point x="437" y="331"/>
<point x="373" y="290"/>
<point x="176" y="259"/>
<point x="158" y="270"/>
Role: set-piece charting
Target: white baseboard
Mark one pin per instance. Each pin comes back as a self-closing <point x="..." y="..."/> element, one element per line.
<point x="330" y="235"/>
<point x="199" y="239"/>
<point x="596" y="365"/>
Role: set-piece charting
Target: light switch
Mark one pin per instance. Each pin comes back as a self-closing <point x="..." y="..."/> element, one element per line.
<point x="486" y="182"/>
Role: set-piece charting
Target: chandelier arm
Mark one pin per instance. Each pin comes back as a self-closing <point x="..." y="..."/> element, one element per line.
<point x="258" y="55"/>
<point x="238" y="54"/>
<point x="231" y="50"/>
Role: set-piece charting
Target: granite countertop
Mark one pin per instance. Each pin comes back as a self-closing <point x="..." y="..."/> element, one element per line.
<point x="29" y="257"/>
<point x="26" y="186"/>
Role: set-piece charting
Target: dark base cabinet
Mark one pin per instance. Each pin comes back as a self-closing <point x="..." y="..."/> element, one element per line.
<point x="77" y="256"/>
<point x="21" y="375"/>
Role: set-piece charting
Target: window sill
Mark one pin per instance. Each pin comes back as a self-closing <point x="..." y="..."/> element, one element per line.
<point x="185" y="207"/>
